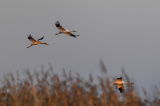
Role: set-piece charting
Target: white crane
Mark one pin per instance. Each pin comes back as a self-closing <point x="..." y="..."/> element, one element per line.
<point x="119" y="82"/>
<point x="35" y="42"/>
<point x="64" y="31"/>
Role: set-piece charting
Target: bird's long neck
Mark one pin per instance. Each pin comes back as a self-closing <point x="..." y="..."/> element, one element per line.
<point x="44" y="43"/>
<point x="124" y="82"/>
<point x="127" y="82"/>
<point x="73" y="31"/>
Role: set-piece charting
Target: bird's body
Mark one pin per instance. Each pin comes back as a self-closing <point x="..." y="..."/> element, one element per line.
<point x="35" y="42"/>
<point x="119" y="82"/>
<point x="64" y="31"/>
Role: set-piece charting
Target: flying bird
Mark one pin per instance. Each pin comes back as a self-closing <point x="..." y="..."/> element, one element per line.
<point x="119" y="82"/>
<point x="35" y="42"/>
<point x="64" y="31"/>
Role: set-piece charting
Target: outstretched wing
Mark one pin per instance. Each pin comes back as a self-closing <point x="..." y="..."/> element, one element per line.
<point x="41" y="38"/>
<point x="31" y="38"/>
<point x="59" y="26"/>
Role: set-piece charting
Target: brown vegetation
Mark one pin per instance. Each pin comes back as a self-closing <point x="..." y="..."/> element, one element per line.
<point x="49" y="89"/>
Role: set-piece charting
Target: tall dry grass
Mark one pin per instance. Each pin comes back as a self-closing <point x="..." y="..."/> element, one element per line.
<point x="46" y="88"/>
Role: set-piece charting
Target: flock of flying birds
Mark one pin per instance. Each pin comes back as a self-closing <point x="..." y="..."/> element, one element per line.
<point x="118" y="82"/>
<point x="62" y="31"/>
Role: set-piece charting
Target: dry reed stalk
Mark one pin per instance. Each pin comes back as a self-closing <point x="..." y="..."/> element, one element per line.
<point x="48" y="89"/>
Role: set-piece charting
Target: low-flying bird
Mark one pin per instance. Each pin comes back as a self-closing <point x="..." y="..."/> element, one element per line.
<point x="119" y="82"/>
<point x="64" y="31"/>
<point x="35" y="42"/>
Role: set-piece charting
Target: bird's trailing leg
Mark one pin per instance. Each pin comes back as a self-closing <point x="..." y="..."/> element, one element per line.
<point x="44" y="43"/>
<point x="29" y="46"/>
<point x="59" y="33"/>
<point x="73" y="31"/>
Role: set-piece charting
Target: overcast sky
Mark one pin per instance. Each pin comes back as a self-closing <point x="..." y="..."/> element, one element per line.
<point x="122" y="33"/>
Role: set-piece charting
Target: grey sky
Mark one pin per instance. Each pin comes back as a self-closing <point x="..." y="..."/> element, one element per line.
<point x="123" y="33"/>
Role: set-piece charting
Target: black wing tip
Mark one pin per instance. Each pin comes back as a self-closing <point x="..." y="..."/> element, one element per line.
<point x="41" y="38"/>
<point x="57" y="24"/>
<point x="29" y="36"/>
<point x="120" y="78"/>
<point x="121" y="90"/>
<point x="74" y="35"/>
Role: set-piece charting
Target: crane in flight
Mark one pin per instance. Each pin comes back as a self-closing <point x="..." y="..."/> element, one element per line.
<point x="35" y="42"/>
<point x="119" y="82"/>
<point x="64" y="31"/>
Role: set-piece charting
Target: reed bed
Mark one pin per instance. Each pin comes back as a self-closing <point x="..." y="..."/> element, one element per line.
<point x="46" y="88"/>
